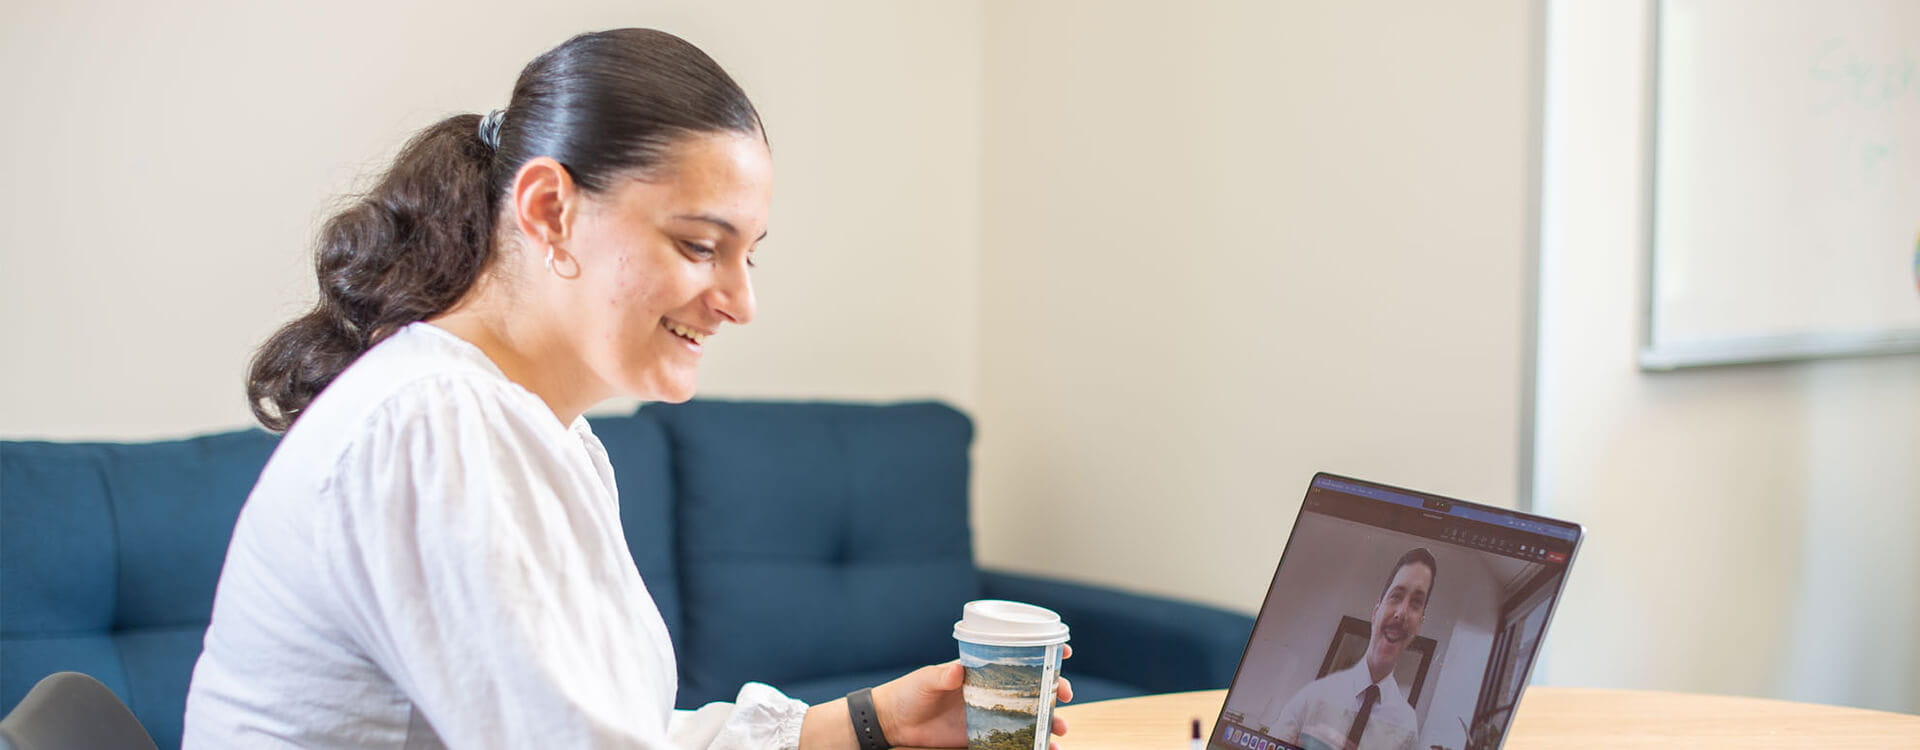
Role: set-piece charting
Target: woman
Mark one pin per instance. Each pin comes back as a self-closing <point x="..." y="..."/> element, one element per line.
<point x="433" y="556"/>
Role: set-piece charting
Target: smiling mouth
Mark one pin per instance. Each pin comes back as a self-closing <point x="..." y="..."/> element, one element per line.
<point x="684" y="332"/>
<point x="1394" y="635"/>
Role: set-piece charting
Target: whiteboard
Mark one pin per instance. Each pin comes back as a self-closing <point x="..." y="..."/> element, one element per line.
<point x="1786" y="181"/>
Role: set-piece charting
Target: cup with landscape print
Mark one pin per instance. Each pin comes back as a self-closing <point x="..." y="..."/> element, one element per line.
<point x="1011" y="652"/>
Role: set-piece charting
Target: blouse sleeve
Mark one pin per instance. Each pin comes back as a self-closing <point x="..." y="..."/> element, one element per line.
<point x="480" y="565"/>
<point x="761" y="717"/>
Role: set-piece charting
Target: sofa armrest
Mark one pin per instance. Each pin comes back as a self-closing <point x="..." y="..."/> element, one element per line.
<point x="1158" y="644"/>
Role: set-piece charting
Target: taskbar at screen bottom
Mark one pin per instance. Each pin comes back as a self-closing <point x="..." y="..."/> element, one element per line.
<point x="1231" y="736"/>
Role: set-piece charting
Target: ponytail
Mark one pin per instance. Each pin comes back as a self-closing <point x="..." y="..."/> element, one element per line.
<point x="405" y="251"/>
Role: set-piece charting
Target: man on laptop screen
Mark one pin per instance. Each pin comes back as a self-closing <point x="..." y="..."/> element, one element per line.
<point x="1320" y="715"/>
<point x="1362" y="644"/>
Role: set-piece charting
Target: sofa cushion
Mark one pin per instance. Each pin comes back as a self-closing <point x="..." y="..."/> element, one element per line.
<point x="25" y="660"/>
<point x="56" y="548"/>
<point x="174" y="506"/>
<point x="817" y="539"/>
<point x="159" y="669"/>
<point x="637" y="448"/>
<point x="110" y="554"/>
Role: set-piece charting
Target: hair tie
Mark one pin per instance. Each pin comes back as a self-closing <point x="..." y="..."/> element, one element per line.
<point x="490" y="128"/>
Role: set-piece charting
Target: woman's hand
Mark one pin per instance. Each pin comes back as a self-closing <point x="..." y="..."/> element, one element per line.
<point x="924" y="708"/>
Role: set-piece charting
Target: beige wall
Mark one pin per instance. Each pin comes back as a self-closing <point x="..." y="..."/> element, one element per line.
<point x="1231" y="244"/>
<point x="168" y="164"/>
<point x="1750" y="528"/>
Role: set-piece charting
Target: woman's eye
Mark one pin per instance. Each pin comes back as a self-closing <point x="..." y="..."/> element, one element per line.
<point x="696" y="249"/>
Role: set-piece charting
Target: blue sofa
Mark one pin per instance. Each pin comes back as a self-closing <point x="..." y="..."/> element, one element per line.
<point x="815" y="547"/>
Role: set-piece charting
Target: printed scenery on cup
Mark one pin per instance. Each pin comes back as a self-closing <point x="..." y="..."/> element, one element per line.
<point x="1003" y="695"/>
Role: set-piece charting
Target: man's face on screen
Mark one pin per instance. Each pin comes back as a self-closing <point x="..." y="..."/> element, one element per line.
<point x="1397" y="618"/>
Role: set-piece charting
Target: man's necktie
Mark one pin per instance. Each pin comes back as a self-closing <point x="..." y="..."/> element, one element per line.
<point x="1367" y="699"/>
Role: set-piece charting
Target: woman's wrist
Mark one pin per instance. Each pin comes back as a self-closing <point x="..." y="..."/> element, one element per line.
<point x="884" y="710"/>
<point x="867" y="732"/>
<point x="828" y="726"/>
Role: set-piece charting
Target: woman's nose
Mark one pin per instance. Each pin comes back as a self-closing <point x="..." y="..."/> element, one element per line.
<point x="733" y="296"/>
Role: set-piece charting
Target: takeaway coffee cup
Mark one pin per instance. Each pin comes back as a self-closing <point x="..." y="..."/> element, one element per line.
<point x="1011" y="652"/>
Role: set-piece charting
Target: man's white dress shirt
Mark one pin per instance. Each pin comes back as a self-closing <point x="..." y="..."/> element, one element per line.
<point x="1321" y="714"/>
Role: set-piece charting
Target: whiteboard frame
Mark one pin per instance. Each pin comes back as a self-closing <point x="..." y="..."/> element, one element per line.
<point x="1734" y="350"/>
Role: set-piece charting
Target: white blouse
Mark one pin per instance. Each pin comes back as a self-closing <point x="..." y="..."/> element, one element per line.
<point x="430" y="559"/>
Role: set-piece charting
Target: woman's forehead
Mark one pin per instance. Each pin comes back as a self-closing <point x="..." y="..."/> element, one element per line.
<point x="718" y="161"/>
<point x="723" y="180"/>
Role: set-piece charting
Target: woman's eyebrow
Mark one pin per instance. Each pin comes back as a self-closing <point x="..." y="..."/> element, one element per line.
<point x="717" y="221"/>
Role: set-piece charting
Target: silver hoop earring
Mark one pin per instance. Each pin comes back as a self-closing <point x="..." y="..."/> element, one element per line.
<point x="550" y="259"/>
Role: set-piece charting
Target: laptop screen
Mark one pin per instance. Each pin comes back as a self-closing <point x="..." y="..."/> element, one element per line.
<point x="1397" y="620"/>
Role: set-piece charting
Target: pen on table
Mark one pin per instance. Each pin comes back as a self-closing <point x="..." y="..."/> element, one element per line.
<point x="1194" y="744"/>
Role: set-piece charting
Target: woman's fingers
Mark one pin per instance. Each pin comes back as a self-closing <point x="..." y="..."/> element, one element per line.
<point x="953" y="676"/>
<point x="1059" y="727"/>
<point x="1064" y="690"/>
<point x="1066" y="652"/>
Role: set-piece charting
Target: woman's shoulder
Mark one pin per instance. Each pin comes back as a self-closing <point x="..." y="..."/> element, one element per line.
<point x="416" y="383"/>
<point x="423" y="360"/>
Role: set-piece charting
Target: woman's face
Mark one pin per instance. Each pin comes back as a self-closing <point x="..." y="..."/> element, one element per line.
<point x="664" y="263"/>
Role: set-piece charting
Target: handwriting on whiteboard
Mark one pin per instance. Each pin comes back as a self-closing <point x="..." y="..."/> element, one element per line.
<point x="1852" y="80"/>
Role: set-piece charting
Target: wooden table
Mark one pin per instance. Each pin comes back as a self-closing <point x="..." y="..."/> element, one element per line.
<point x="1550" y="718"/>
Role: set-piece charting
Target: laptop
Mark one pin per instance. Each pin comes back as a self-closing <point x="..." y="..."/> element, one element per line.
<point x="1397" y="620"/>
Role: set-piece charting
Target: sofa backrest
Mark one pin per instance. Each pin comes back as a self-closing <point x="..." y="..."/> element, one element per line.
<point x="108" y="558"/>
<point x="816" y="539"/>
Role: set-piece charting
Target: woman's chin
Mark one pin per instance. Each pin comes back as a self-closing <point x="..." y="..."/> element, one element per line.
<point x="671" y="392"/>
<point x="649" y="381"/>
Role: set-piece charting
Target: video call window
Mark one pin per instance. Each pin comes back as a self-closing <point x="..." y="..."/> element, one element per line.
<point x="1459" y="603"/>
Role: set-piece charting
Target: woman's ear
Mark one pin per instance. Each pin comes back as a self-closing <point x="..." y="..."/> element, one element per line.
<point x="545" y="201"/>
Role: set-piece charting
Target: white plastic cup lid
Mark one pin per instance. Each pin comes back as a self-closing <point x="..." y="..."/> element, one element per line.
<point x="995" y="622"/>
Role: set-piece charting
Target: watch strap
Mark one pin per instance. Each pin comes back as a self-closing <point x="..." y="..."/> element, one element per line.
<point x="866" y="721"/>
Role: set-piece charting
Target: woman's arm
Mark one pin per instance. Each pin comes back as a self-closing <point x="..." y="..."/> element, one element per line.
<point x="828" y="726"/>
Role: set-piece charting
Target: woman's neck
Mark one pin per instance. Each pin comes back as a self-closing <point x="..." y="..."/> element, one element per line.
<point x="532" y="356"/>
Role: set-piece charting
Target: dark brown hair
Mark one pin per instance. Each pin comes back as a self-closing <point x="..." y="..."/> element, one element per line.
<point x="604" y="105"/>
<point x="1415" y="556"/>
